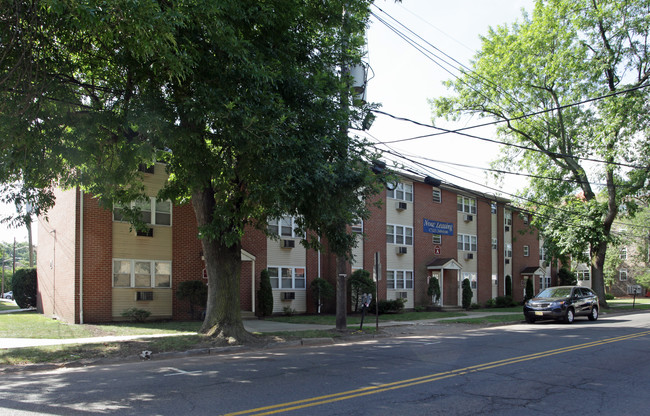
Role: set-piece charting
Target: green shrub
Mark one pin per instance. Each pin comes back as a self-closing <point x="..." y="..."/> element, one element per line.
<point x="389" y="306"/>
<point x="288" y="311"/>
<point x="419" y="308"/>
<point x="474" y="306"/>
<point x="609" y="296"/>
<point x="434" y="290"/>
<point x="265" y="295"/>
<point x="467" y="294"/>
<point x="529" y="290"/>
<point x="24" y="284"/>
<point x="139" y="315"/>
<point x="566" y="277"/>
<point x="322" y="291"/>
<point x="490" y="303"/>
<point x="360" y="283"/>
<point x="196" y="291"/>
<point x="505" y="302"/>
<point x="508" y="286"/>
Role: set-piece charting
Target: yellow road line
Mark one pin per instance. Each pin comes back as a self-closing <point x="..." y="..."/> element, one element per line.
<point x="365" y="391"/>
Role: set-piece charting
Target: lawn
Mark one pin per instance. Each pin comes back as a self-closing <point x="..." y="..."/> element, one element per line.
<point x="629" y="303"/>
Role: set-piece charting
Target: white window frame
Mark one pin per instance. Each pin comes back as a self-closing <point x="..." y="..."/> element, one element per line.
<point x="623" y="253"/>
<point x="402" y="192"/>
<point x="393" y="235"/>
<point x="544" y="282"/>
<point x="293" y="274"/>
<point x="152" y="210"/>
<point x="399" y="279"/>
<point x="495" y="243"/>
<point x="436" y="239"/>
<point x="507" y="218"/>
<point x="508" y="251"/>
<point x="493" y="207"/>
<point x="467" y="242"/>
<point x="622" y="275"/>
<point x="437" y="195"/>
<point x="282" y="227"/>
<point x="471" y="276"/>
<point x="466" y="204"/>
<point x="152" y="273"/>
<point x="583" y="274"/>
<point x="526" y="251"/>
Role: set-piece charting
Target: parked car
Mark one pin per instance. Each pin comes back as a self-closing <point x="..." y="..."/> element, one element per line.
<point x="562" y="303"/>
<point x="8" y="295"/>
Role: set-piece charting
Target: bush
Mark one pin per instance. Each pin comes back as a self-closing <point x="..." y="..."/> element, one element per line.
<point x="609" y="296"/>
<point x="139" y="315"/>
<point x="389" y="306"/>
<point x="360" y="283"/>
<point x="467" y="294"/>
<point x="566" y="277"/>
<point x="505" y="302"/>
<point x="491" y="303"/>
<point x="288" y="311"/>
<point x="474" y="306"/>
<point x="24" y="284"/>
<point x="321" y="290"/>
<point x="196" y="292"/>
<point x="265" y="295"/>
<point x="419" y="308"/>
<point x="529" y="290"/>
<point x="434" y="290"/>
<point x="508" y="286"/>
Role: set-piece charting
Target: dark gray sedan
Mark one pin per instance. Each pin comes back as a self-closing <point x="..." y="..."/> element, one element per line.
<point x="562" y="303"/>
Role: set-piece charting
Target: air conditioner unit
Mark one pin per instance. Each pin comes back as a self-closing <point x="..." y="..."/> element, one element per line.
<point x="402" y="295"/>
<point x="468" y="218"/>
<point x="143" y="295"/>
<point x="288" y="243"/>
<point x="288" y="295"/>
<point x="507" y="228"/>
<point x="469" y="256"/>
<point x="401" y="250"/>
<point x="507" y="261"/>
<point x="146" y="233"/>
<point x="400" y="206"/>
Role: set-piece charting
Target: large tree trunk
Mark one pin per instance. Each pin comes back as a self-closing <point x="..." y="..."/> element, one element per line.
<point x="597" y="275"/>
<point x="223" y="264"/>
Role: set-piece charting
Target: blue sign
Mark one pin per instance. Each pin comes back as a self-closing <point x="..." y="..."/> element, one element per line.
<point x="437" y="227"/>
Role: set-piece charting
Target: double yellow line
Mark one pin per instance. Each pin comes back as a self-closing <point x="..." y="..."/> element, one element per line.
<point x="366" y="391"/>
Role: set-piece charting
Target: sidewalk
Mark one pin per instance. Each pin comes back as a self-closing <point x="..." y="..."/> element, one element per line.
<point x="253" y="325"/>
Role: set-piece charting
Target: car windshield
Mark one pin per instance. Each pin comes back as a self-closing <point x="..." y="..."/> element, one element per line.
<point x="555" y="292"/>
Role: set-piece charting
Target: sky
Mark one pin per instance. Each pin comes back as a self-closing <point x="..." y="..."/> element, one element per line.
<point x="402" y="80"/>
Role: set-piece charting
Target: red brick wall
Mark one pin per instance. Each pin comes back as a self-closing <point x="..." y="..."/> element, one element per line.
<point x="374" y="229"/>
<point x="484" y="253"/>
<point x="254" y="242"/>
<point x="187" y="263"/>
<point x="523" y="235"/>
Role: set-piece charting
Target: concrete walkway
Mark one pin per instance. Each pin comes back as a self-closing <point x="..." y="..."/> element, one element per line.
<point x="253" y="325"/>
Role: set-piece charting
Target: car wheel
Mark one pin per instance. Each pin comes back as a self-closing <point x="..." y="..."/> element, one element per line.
<point x="594" y="314"/>
<point x="569" y="316"/>
<point x="530" y="319"/>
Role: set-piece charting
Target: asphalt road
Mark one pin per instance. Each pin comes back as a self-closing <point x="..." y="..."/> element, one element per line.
<point x="590" y="368"/>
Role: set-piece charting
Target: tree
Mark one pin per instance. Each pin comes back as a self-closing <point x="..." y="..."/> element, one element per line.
<point x="530" y="290"/>
<point x="433" y="291"/>
<point x="24" y="287"/>
<point x="321" y="290"/>
<point x="467" y="294"/>
<point x="360" y="283"/>
<point x="508" y="285"/>
<point x="566" y="277"/>
<point x="196" y="293"/>
<point x="542" y="79"/>
<point x="240" y="100"/>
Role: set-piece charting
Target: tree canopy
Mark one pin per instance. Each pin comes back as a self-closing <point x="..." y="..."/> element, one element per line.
<point x="568" y="86"/>
<point x="241" y="99"/>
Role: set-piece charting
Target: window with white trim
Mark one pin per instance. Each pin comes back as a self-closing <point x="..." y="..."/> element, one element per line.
<point x="525" y="218"/>
<point x="357" y="227"/>
<point x="583" y="274"/>
<point x="622" y="274"/>
<point x="542" y="254"/>
<point x="508" y="218"/>
<point x="142" y="273"/>
<point x="467" y="242"/>
<point x="402" y="192"/>
<point x="162" y="210"/>
<point x="544" y="282"/>
<point x="623" y="253"/>
<point x="287" y="277"/>
<point x="399" y="234"/>
<point x="436" y="238"/>
<point x="437" y="195"/>
<point x="283" y="226"/>
<point x="493" y="207"/>
<point x="526" y="251"/>
<point x="399" y="279"/>
<point x="495" y="243"/>
<point x="465" y="204"/>
<point x="508" y="250"/>
<point x="471" y="276"/>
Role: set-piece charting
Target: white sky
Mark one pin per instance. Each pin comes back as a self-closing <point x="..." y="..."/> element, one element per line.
<point x="404" y="80"/>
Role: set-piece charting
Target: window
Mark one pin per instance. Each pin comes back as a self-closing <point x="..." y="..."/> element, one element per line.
<point x="466" y="204"/>
<point x="542" y="254"/>
<point x="287" y="277"/>
<point x="437" y="195"/>
<point x="493" y="207"/>
<point x="467" y="242"/>
<point x="472" y="279"/>
<point x="495" y="243"/>
<point x="162" y="211"/>
<point x="623" y="254"/>
<point x="399" y="234"/>
<point x="399" y="279"/>
<point x="281" y="226"/>
<point x="142" y="273"/>
<point x="583" y="274"/>
<point x="622" y="274"/>
<point x="437" y="239"/>
<point x="403" y="192"/>
<point x="544" y="282"/>
<point x="508" y="250"/>
<point x="526" y="251"/>
<point x="508" y="218"/>
<point x="357" y="227"/>
<point x="525" y="218"/>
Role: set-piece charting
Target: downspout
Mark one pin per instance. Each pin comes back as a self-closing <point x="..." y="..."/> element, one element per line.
<point x="81" y="257"/>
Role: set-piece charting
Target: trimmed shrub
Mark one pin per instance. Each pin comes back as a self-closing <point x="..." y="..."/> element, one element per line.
<point x="491" y="303"/>
<point x="508" y="286"/>
<point x="24" y="284"/>
<point x="434" y="290"/>
<point x="196" y="291"/>
<point x="529" y="290"/>
<point x="265" y="295"/>
<point x="504" y="302"/>
<point x="389" y="305"/>
<point x="322" y="291"/>
<point x="467" y="294"/>
<point x="139" y="315"/>
<point x="609" y="296"/>
<point x="360" y="283"/>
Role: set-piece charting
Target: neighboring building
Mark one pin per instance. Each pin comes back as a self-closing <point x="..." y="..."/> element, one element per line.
<point x="92" y="266"/>
<point x="631" y="260"/>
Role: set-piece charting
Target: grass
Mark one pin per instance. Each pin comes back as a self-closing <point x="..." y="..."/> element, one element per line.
<point x="626" y="303"/>
<point x="7" y="305"/>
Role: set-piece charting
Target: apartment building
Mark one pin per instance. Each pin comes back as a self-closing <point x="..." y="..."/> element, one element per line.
<point x="92" y="265"/>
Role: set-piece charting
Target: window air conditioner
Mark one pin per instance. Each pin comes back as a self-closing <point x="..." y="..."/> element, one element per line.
<point x="400" y="206"/>
<point x="507" y="228"/>
<point x="468" y="218"/>
<point x="402" y="295"/>
<point x="143" y="295"/>
<point x="469" y="256"/>
<point x="288" y="295"/>
<point x="146" y="233"/>
<point x="507" y="261"/>
<point x="402" y="250"/>
<point x="288" y="243"/>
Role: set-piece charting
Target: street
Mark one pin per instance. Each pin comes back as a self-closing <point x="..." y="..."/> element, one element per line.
<point x="588" y="367"/>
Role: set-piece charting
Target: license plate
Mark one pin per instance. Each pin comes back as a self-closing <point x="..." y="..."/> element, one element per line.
<point x="538" y="313"/>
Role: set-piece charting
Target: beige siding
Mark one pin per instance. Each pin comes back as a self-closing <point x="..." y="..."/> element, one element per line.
<point x="299" y="304"/>
<point x="153" y="183"/>
<point x="357" y="253"/>
<point x="278" y="256"/>
<point x="393" y="294"/>
<point x="399" y="217"/>
<point x="160" y="306"/>
<point x="128" y="245"/>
